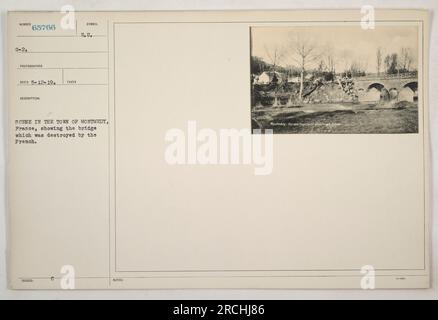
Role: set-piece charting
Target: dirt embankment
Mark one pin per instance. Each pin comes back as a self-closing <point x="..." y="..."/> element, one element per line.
<point x="332" y="93"/>
<point x="288" y="94"/>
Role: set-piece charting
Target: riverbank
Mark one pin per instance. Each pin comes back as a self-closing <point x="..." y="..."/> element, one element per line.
<point x="339" y="118"/>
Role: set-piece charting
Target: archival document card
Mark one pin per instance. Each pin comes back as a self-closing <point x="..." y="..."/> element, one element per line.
<point x="239" y="149"/>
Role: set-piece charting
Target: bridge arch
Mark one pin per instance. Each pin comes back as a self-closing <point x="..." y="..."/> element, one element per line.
<point x="376" y="85"/>
<point x="372" y="92"/>
<point x="387" y="87"/>
<point x="409" y="92"/>
<point x="393" y="93"/>
<point x="412" y="85"/>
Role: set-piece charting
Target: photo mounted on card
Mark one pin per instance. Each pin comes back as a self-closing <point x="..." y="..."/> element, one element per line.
<point x="335" y="79"/>
<point x="237" y="149"/>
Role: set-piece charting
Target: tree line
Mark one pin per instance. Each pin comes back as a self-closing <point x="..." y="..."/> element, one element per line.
<point x="307" y="56"/>
<point x="395" y="63"/>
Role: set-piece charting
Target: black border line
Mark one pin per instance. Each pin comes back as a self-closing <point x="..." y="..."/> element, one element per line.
<point x="296" y="270"/>
<point x="109" y="155"/>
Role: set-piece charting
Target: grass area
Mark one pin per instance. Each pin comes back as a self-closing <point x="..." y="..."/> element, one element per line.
<point x="399" y="119"/>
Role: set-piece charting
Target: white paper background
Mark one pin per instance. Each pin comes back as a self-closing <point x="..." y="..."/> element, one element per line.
<point x="222" y="5"/>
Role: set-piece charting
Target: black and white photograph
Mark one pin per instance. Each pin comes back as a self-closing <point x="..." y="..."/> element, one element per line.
<point x="219" y="159"/>
<point x="335" y="79"/>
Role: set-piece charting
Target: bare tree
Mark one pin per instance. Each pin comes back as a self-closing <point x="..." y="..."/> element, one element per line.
<point x="405" y="59"/>
<point x="330" y="60"/>
<point x="275" y="55"/>
<point x="345" y="60"/>
<point x="358" y="68"/>
<point x="392" y="63"/>
<point x="304" y="54"/>
<point x="331" y="64"/>
<point x="379" y="60"/>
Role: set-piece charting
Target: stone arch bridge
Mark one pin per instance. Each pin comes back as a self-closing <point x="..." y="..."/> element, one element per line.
<point x="402" y="87"/>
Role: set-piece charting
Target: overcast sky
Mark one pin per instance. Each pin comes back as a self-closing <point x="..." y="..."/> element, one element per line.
<point x="347" y="43"/>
